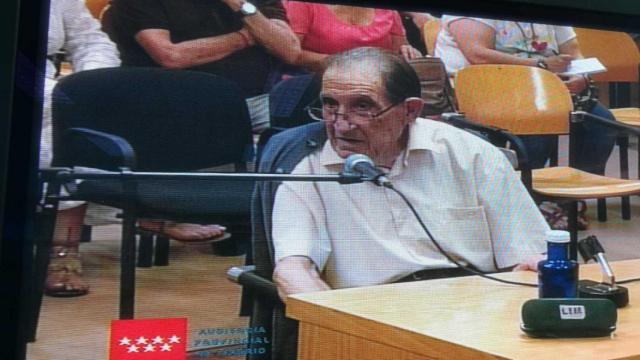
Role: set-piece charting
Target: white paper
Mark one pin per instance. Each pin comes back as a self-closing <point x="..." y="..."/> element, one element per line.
<point x="584" y="66"/>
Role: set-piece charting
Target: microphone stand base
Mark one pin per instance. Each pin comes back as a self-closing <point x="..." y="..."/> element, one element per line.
<point x="593" y="289"/>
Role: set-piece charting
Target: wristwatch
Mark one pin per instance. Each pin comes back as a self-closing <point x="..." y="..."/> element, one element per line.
<point x="247" y="9"/>
<point x="542" y="64"/>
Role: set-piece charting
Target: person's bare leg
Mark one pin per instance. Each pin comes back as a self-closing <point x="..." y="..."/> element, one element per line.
<point x="64" y="276"/>
<point x="185" y="232"/>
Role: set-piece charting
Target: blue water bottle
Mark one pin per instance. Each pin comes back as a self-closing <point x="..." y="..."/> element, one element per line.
<point x="558" y="276"/>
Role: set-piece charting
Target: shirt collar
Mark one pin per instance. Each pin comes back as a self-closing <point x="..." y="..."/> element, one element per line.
<point x="421" y="137"/>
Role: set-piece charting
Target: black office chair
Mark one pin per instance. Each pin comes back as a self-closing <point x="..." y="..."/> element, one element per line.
<point x="147" y="119"/>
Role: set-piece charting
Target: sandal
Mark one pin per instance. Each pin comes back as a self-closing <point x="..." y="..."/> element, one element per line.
<point x="183" y="232"/>
<point x="555" y="216"/>
<point x="64" y="275"/>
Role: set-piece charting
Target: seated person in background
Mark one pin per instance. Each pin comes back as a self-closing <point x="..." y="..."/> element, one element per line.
<point x="74" y="30"/>
<point x="355" y="235"/>
<point x="230" y="38"/>
<point x="467" y="41"/>
<point x="86" y="47"/>
<point x="324" y="30"/>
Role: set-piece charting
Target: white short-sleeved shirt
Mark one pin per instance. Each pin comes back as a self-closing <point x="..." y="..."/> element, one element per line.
<point x="74" y="29"/>
<point x="466" y="191"/>
<point x="521" y="39"/>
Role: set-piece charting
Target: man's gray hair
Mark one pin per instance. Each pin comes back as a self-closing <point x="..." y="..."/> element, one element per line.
<point x="399" y="79"/>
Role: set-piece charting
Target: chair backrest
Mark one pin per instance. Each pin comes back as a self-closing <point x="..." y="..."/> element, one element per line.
<point x="616" y="51"/>
<point x="175" y="120"/>
<point x="289" y="98"/>
<point x="523" y="100"/>
<point x="281" y="154"/>
<point x="96" y="7"/>
<point x="430" y="30"/>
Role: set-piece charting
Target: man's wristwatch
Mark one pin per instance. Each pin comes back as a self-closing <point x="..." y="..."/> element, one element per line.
<point x="542" y="64"/>
<point x="247" y="9"/>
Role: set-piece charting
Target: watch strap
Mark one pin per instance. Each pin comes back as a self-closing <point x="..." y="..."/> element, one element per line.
<point x="542" y="64"/>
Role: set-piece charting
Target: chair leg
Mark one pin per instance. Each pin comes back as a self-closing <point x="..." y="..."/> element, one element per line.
<point x="573" y="229"/>
<point x="128" y="266"/>
<point x="623" y="145"/>
<point x="85" y="235"/>
<point x="602" y="210"/>
<point x="145" y="250"/>
<point x="41" y="261"/>
<point x="161" y="251"/>
<point x="553" y="160"/>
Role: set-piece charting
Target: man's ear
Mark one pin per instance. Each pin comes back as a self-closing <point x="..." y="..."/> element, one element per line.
<point x="413" y="108"/>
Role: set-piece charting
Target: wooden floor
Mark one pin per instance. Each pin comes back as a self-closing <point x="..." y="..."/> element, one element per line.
<point x="194" y="286"/>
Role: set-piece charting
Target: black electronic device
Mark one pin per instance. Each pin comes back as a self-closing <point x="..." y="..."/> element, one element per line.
<point x="590" y="249"/>
<point x="568" y="318"/>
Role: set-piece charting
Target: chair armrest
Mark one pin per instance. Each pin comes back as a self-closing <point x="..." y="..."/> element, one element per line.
<point x="583" y="115"/>
<point x="97" y="149"/>
<point x="255" y="284"/>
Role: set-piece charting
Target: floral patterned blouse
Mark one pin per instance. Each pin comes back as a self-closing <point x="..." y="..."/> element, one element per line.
<point x="521" y="39"/>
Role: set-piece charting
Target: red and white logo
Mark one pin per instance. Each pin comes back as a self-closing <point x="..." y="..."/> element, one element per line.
<point x="148" y="339"/>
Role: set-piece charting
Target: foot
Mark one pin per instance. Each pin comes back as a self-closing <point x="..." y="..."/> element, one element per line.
<point x="64" y="275"/>
<point x="185" y="232"/>
<point x="583" y="219"/>
<point x="554" y="215"/>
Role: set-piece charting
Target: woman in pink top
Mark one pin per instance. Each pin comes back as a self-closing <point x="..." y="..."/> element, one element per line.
<point x="329" y="29"/>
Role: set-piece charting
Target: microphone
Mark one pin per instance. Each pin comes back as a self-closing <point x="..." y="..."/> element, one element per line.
<point x="363" y="165"/>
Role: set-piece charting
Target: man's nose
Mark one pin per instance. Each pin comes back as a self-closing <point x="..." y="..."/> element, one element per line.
<point x="342" y="123"/>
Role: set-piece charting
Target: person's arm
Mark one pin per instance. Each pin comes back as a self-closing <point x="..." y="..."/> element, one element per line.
<point x="516" y="225"/>
<point x="476" y="41"/>
<point x="402" y="47"/>
<point x="300" y="243"/>
<point x="314" y="61"/>
<point x="86" y="45"/>
<point x="157" y="43"/>
<point x="274" y="34"/>
<point x="297" y="274"/>
<point x="576" y="83"/>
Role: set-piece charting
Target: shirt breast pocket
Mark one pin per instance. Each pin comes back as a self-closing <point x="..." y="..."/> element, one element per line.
<point x="461" y="231"/>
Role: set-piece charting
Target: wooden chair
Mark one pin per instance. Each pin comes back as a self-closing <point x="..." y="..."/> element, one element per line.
<point x="619" y="53"/>
<point x="430" y="31"/>
<point x="531" y="101"/>
<point x="97" y="7"/>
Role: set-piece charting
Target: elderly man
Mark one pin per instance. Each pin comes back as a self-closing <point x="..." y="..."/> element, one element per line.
<point x="328" y="235"/>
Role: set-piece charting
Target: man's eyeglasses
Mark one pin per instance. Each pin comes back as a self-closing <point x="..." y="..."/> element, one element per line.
<point x="320" y="111"/>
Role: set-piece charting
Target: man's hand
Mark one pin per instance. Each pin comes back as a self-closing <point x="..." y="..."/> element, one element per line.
<point x="530" y="264"/>
<point x="576" y="83"/>
<point x="558" y="63"/>
<point x="408" y="52"/>
<point x="297" y="274"/>
<point x="274" y="35"/>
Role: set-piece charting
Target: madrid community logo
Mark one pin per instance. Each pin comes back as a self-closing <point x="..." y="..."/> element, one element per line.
<point x="148" y="339"/>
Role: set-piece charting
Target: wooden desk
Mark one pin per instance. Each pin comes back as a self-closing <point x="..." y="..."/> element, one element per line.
<point x="459" y="318"/>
